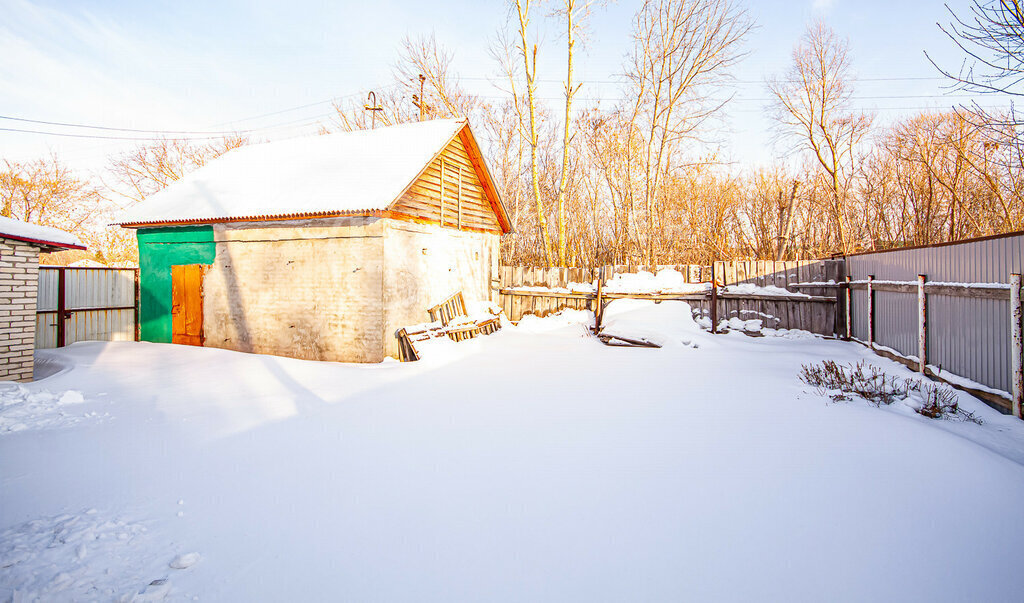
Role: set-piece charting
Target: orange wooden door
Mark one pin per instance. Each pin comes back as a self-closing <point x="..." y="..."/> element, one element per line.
<point x="187" y="304"/>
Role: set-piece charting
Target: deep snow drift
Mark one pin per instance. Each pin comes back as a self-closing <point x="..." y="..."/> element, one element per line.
<point x="534" y="464"/>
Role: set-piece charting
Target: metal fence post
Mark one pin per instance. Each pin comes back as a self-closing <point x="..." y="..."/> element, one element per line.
<point x="1017" y="342"/>
<point x="849" y="313"/>
<point x="922" y="325"/>
<point x="871" y="311"/>
<point x="714" y="300"/>
<point x="137" y="304"/>
<point x="61" y="310"/>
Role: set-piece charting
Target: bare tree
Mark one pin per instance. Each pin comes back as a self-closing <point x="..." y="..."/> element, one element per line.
<point x="528" y="54"/>
<point x="443" y="97"/>
<point x="575" y="14"/>
<point x="767" y="212"/>
<point x="502" y="128"/>
<point x="406" y="98"/>
<point x="682" y="50"/>
<point x="812" y="110"/>
<point x="147" y="169"/>
<point x="992" y="36"/>
<point x="47" y="192"/>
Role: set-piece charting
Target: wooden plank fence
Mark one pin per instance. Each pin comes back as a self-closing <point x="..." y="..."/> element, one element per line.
<point x="816" y="313"/>
<point x="758" y="272"/>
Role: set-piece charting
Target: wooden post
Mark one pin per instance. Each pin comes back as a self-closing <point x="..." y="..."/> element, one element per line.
<point x="922" y="325"/>
<point x="871" y="311"/>
<point x="714" y="300"/>
<point x="60" y="306"/>
<point x="846" y="309"/>
<point x="598" y="302"/>
<point x="1017" y="345"/>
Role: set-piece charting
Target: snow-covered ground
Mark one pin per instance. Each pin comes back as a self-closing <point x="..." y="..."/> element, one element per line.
<point x="534" y="464"/>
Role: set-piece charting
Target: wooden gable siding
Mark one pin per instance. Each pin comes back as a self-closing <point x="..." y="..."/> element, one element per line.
<point x="423" y="199"/>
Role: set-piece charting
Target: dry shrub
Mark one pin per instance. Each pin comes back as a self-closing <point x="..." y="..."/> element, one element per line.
<point x="842" y="382"/>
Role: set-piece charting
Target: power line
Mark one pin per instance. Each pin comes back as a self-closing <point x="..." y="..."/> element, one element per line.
<point x="624" y="80"/>
<point x="99" y="137"/>
<point x="306" y="106"/>
<point x="883" y="97"/>
<point x="202" y="134"/>
<point x="869" y="109"/>
<point x="310" y="120"/>
<point x="110" y="128"/>
<point x="741" y="99"/>
<point x="313" y="120"/>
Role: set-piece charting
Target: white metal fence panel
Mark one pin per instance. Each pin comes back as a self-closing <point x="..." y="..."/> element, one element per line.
<point x="100" y="325"/>
<point x="47" y="295"/>
<point x="99" y="305"/>
<point x="967" y="336"/>
<point x="46" y="331"/>
<point x="99" y="288"/>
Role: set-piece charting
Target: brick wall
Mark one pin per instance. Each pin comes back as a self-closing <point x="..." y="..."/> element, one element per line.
<point x="19" y="279"/>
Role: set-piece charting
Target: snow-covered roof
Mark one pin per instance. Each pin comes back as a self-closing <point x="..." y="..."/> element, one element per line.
<point x="43" y="236"/>
<point x="357" y="171"/>
<point x="87" y="263"/>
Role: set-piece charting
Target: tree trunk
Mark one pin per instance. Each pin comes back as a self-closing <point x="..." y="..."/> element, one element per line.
<point x="569" y="91"/>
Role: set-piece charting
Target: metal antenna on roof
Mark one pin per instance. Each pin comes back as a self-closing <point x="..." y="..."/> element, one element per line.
<point x="373" y="108"/>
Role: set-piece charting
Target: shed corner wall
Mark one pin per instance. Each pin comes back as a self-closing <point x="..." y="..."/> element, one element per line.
<point x="425" y="264"/>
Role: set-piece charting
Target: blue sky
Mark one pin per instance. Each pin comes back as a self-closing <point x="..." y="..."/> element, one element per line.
<point x="200" y="65"/>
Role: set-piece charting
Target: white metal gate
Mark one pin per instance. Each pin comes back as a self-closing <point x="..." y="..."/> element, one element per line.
<point x="83" y="304"/>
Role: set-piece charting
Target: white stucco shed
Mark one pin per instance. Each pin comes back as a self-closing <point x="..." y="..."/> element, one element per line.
<point x="320" y="248"/>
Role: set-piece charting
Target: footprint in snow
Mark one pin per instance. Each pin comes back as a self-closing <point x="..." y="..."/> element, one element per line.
<point x="184" y="561"/>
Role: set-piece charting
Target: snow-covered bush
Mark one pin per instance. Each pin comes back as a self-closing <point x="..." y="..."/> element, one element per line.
<point x="842" y="382"/>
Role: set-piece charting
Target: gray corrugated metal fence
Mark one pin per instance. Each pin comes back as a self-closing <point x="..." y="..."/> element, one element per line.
<point x="967" y="336"/>
<point x="98" y="304"/>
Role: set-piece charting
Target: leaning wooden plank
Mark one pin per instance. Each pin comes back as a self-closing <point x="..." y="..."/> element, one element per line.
<point x="619" y="340"/>
<point x="406" y="350"/>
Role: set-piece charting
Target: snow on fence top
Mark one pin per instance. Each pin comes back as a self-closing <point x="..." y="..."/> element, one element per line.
<point x="41" y="235"/>
<point x="752" y="289"/>
<point x="665" y="282"/>
<point x="343" y="172"/>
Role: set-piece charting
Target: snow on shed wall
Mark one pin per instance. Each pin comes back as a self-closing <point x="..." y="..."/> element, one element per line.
<point x="967" y="336"/>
